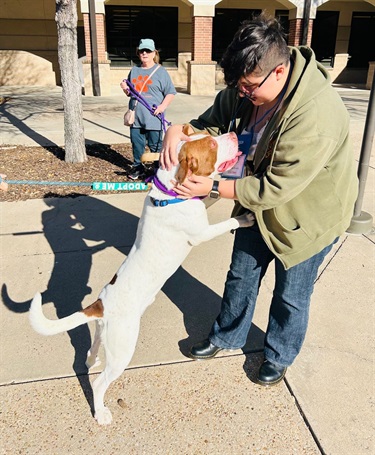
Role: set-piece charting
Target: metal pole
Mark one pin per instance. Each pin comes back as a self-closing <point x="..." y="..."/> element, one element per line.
<point x="362" y="221"/>
<point x="94" y="50"/>
<point x="306" y="21"/>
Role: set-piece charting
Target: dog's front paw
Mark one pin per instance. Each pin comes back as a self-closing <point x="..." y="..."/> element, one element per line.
<point x="246" y="220"/>
<point x="103" y="416"/>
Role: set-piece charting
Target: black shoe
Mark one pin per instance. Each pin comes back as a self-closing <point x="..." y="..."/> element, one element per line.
<point x="270" y="374"/>
<point x="137" y="172"/>
<point x="151" y="169"/>
<point x="204" y="350"/>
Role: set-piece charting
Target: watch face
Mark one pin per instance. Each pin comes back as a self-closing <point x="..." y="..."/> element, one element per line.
<point x="215" y="190"/>
<point x="214" y="194"/>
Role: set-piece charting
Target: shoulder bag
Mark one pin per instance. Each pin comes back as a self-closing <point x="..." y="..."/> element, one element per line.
<point x="129" y="116"/>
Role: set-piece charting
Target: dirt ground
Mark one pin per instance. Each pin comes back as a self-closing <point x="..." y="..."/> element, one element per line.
<point x="106" y="163"/>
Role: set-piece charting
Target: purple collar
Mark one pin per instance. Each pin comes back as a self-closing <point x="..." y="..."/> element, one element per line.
<point x="160" y="186"/>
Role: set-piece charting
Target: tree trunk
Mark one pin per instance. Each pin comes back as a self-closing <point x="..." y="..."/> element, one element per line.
<point x="66" y="19"/>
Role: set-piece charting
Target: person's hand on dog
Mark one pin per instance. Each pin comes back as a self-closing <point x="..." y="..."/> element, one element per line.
<point x="198" y="186"/>
<point x="168" y="154"/>
<point x="193" y="186"/>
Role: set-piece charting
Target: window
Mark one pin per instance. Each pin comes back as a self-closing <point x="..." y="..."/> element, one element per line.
<point x="226" y="23"/>
<point x="126" y="25"/>
<point x="323" y="40"/>
<point x="282" y="16"/>
<point x="362" y="38"/>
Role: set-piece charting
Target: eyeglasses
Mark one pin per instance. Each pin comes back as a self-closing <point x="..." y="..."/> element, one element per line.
<point x="244" y="89"/>
<point x="148" y="51"/>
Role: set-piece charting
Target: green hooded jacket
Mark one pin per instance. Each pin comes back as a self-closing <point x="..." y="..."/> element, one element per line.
<point x="304" y="180"/>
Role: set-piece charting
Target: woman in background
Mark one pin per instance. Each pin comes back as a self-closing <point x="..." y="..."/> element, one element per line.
<point x="154" y="83"/>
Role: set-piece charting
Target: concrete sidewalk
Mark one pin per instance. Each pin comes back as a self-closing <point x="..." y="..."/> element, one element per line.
<point x="170" y="404"/>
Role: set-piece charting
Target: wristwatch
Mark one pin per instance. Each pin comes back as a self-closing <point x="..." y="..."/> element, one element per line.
<point x="214" y="193"/>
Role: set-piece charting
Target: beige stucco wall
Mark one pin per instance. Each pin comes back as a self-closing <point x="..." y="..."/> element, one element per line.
<point x="25" y="68"/>
<point x="26" y="25"/>
<point x="370" y="75"/>
<point x="28" y="39"/>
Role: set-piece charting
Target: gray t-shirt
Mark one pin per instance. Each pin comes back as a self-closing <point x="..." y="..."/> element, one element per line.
<point x="154" y="92"/>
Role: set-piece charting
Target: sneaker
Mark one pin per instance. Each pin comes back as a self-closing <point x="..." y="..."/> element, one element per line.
<point x="151" y="169"/>
<point x="137" y="172"/>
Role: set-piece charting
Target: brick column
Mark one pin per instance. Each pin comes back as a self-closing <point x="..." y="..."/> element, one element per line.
<point x="202" y="39"/>
<point x="201" y="68"/>
<point x="101" y="39"/>
<point x="309" y="32"/>
<point x="103" y="63"/>
<point x="296" y="30"/>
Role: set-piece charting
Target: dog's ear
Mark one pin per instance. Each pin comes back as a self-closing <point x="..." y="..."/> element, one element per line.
<point x="188" y="165"/>
<point x="183" y="168"/>
<point x="188" y="130"/>
<point x="207" y="157"/>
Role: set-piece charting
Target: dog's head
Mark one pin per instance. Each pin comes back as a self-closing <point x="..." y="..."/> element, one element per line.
<point x="206" y="155"/>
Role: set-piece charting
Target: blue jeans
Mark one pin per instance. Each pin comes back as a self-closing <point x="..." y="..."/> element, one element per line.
<point x="140" y="138"/>
<point x="289" y="311"/>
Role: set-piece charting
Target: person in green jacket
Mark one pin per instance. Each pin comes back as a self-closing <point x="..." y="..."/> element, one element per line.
<point x="299" y="180"/>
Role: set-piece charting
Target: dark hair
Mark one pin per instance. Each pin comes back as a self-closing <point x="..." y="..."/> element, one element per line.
<point x="259" y="45"/>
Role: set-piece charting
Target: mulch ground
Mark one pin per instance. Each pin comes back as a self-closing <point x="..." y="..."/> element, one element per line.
<point x="106" y="163"/>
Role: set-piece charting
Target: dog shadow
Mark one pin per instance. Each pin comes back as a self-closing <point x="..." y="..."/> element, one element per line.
<point x="68" y="225"/>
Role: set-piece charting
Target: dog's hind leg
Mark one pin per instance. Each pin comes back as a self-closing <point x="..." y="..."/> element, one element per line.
<point x="119" y="343"/>
<point x="92" y="354"/>
<point x="100" y="385"/>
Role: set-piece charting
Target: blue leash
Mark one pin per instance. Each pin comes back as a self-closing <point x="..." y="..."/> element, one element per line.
<point x="135" y="94"/>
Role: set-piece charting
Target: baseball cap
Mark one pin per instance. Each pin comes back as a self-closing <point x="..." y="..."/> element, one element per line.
<point x="146" y="43"/>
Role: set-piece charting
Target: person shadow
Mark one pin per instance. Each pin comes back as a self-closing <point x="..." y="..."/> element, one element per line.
<point x="200" y="305"/>
<point x="70" y="225"/>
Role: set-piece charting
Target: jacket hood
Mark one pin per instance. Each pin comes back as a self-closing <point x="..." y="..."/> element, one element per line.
<point x="302" y="90"/>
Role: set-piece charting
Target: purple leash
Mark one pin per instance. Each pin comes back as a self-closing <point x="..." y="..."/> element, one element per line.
<point x="135" y="94"/>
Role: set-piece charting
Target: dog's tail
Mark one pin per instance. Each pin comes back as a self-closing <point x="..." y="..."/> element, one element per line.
<point x="46" y="326"/>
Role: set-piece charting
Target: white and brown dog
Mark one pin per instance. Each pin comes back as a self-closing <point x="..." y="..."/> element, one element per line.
<point x="167" y="230"/>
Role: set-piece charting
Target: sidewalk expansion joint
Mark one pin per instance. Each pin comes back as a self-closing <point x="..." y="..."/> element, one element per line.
<point x="305" y="419"/>
<point x="331" y="259"/>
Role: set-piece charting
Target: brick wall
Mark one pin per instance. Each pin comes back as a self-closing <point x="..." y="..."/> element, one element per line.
<point x="202" y="39"/>
<point x="296" y="30"/>
<point x="101" y="38"/>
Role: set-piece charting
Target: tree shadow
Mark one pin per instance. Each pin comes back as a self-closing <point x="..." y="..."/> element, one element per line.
<point x="100" y="151"/>
<point x="23" y="127"/>
<point x="94" y="149"/>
